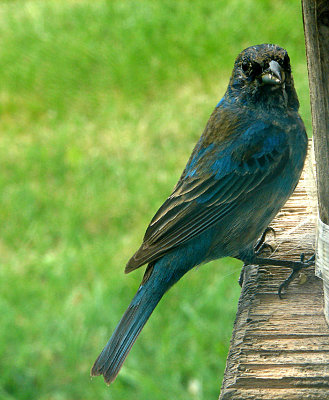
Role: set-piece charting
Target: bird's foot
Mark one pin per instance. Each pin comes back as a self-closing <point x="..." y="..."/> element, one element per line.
<point x="296" y="268"/>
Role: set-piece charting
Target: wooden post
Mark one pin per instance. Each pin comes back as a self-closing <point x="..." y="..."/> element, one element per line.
<point x="280" y="348"/>
<point x="316" y="27"/>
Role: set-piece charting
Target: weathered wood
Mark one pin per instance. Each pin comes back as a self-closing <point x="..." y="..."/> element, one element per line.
<point x="278" y="394"/>
<point x="280" y="348"/>
<point x="316" y="27"/>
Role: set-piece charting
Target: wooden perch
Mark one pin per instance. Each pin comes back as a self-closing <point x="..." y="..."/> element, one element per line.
<point x="316" y="27"/>
<point x="280" y="348"/>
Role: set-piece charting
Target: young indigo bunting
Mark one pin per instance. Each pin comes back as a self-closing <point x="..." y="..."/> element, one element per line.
<point x="241" y="172"/>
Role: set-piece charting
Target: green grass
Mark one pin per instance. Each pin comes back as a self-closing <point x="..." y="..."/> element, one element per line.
<point x="101" y="104"/>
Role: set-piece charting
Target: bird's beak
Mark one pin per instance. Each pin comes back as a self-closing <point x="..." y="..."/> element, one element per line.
<point x="273" y="75"/>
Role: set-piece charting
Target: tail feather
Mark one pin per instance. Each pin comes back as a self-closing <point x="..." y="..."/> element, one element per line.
<point x="117" y="348"/>
<point x="157" y="280"/>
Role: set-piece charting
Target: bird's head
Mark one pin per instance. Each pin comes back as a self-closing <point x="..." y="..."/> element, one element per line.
<point x="262" y="75"/>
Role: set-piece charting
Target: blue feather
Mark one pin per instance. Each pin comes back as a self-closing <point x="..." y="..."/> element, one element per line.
<point x="240" y="173"/>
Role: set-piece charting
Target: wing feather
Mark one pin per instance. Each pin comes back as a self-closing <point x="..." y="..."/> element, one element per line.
<point x="200" y="201"/>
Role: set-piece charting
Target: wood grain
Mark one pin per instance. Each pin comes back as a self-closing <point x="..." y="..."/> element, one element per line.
<point x="280" y="348"/>
<point x="316" y="28"/>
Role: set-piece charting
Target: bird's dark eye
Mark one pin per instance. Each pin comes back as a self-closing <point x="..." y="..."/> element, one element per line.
<point x="286" y="63"/>
<point x="251" y="68"/>
<point x="256" y="69"/>
<point x="245" y="66"/>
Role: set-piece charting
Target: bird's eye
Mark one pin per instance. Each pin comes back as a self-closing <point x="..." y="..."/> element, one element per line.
<point x="256" y="69"/>
<point x="286" y="63"/>
<point x="245" y="66"/>
<point x="251" y="68"/>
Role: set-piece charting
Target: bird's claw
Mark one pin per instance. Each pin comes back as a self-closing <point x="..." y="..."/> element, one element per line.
<point x="296" y="268"/>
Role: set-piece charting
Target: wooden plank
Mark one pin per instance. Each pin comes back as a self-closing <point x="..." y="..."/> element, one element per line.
<point x="280" y="347"/>
<point x="316" y="28"/>
<point x="276" y="394"/>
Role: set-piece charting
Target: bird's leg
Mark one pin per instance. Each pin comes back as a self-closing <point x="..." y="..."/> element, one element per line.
<point x="260" y="246"/>
<point x="296" y="267"/>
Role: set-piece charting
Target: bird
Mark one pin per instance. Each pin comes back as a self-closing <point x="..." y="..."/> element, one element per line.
<point x="241" y="172"/>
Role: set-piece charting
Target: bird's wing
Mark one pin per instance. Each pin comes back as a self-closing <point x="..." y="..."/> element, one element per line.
<point x="214" y="182"/>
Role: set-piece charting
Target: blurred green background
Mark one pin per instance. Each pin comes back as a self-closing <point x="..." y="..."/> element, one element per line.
<point x="101" y="104"/>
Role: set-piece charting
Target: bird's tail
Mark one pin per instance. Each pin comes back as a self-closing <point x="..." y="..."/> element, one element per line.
<point x="141" y="307"/>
